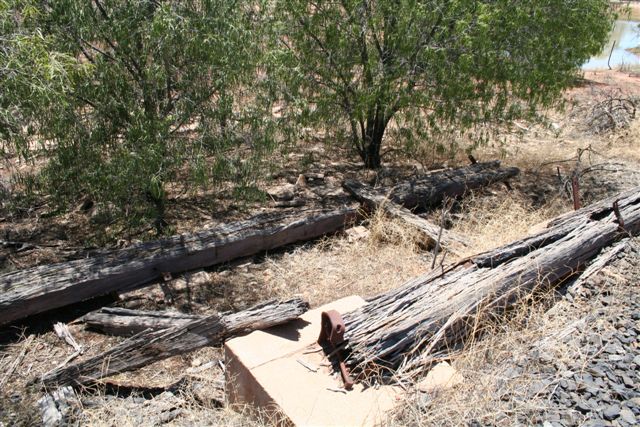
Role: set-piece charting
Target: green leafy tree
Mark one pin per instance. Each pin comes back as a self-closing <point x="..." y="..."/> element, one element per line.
<point x="34" y="76"/>
<point x="429" y="65"/>
<point x="154" y="97"/>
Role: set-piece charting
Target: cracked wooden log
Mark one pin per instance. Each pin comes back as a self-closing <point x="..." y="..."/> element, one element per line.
<point x="34" y="290"/>
<point x="428" y="191"/>
<point x="430" y="317"/>
<point x="124" y="322"/>
<point x="373" y="199"/>
<point x="150" y="346"/>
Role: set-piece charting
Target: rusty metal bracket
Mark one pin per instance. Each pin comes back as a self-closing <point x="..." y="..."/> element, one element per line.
<point x="619" y="219"/>
<point x="575" y="191"/>
<point x="332" y="332"/>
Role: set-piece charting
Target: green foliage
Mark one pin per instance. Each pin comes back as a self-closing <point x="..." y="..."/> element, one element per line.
<point x="431" y="66"/>
<point x="125" y="98"/>
<point x="137" y="94"/>
<point x="34" y="76"/>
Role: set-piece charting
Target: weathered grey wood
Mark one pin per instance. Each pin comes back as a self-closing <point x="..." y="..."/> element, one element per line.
<point x="34" y="290"/>
<point x="124" y="322"/>
<point x="431" y="316"/>
<point x="56" y="407"/>
<point x="374" y="199"/>
<point x="428" y="191"/>
<point x="150" y="346"/>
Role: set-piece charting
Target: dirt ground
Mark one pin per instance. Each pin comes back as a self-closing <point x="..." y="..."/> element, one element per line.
<point x="188" y="389"/>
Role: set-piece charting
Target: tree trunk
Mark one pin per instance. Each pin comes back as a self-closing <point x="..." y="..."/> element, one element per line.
<point x="47" y="287"/>
<point x="151" y="346"/>
<point x="430" y="317"/>
<point x="373" y="141"/>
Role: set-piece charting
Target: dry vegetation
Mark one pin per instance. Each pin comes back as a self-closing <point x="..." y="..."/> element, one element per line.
<point x="632" y="11"/>
<point x="365" y="261"/>
<point x="503" y="371"/>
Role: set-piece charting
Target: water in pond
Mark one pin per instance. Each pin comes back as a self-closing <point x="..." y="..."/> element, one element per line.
<point x="627" y="36"/>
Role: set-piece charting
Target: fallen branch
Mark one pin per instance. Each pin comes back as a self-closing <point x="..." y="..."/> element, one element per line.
<point x="374" y="199"/>
<point x="430" y="317"/>
<point x="612" y="114"/>
<point x="47" y="287"/>
<point x="150" y="346"/>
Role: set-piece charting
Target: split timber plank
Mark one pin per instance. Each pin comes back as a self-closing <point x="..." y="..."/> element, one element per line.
<point x="373" y="199"/>
<point x="151" y="346"/>
<point x="428" y="191"/>
<point x="431" y="316"/>
<point x="125" y="322"/>
<point x="34" y="290"/>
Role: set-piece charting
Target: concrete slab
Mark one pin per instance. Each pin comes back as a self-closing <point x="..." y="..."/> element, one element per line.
<point x="270" y="370"/>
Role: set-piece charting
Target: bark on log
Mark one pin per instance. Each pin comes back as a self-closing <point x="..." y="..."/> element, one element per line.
<point x="429" y="191"/>
<point x="431" y="316"/>
<point x="46" y="287"/>
<point x="374" y="199"/>
<point x="150" y="346"/>
<point x="124" y="322"/>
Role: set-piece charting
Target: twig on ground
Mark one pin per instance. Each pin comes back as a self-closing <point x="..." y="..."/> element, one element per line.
<point x="445" y="210"/>
<point x="63" y="332"/>
<point x="307" y="365"/>
<point x="16" y="362"/>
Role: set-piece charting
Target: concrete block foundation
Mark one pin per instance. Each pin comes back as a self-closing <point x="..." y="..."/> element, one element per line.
<point x="266" y="370"/>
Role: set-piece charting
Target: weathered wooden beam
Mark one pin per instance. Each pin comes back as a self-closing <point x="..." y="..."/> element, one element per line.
<point x="374" y="199"/>
<point x="428" y="191"/>
<point x="124" y="322"/>
<point x="55" y="407"/>
<point x="431" y="316"/>
<point x="150" y="346"/>
<point x="34" y="290"/>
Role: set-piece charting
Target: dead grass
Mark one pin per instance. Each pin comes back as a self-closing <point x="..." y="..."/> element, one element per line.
<point x="478" y="397"/>
<point x="630" y="12"/>
<point x="381" y="259"/>
<point x="492" y="221"/>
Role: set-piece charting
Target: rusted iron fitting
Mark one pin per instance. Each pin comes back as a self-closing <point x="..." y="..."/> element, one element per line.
<point x="332" y="331"/>
<point x="575" y="191"/>
<point x="619" y="219"/>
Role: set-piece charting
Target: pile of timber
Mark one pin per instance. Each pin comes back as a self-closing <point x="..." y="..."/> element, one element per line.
<point x="430" y="317"/>
<point x="34" y="290"/>
<point x="158" y="335"/>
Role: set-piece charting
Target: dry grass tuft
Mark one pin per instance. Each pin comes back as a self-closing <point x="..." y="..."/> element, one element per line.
<point x="385" y="231"/>
<point x="382" y="259"/>
<point x="489" y="222"/>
